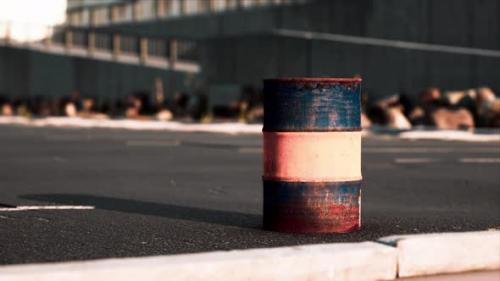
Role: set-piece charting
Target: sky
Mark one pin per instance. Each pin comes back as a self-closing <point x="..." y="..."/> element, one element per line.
<point x="28" y="19"/>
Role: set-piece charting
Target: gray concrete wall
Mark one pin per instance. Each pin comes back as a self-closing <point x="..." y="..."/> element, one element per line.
<point x="14" y="72"/>
<point x="26" y="73"/>
<point x="249" y="59"/>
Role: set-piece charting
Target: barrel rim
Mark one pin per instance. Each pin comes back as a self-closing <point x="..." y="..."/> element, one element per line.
<point x="312" y="182"/>
<point x="265" y="129"/>
<point x="313" y="80"/>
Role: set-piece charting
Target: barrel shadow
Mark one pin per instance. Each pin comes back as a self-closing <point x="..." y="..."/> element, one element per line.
<point x="153" y="209"/>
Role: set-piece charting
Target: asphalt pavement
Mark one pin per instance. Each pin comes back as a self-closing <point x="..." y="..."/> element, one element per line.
<point x="157" y="193"/>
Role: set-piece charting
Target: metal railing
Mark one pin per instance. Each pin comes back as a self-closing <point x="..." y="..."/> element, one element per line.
<point x="168" y="53"/>
<point x="140" y="10"/>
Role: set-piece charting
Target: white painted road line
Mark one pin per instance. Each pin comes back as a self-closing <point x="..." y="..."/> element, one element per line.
<point x="434" y="160"/>
<point x="50" y="207"/>
<point x="451" y="135"/>
<point x="430" y="150"/>
<point x="479" y="160"/>
<point x="415" y="160"/>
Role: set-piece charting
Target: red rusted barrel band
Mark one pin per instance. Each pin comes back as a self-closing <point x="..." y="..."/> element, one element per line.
<point x="312" y="207"/>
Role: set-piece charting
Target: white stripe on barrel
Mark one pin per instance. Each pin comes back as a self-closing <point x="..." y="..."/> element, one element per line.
<point x="312" y="156"/>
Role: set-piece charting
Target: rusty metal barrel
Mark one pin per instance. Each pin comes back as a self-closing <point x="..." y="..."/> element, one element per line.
<point x="312" y="155"/>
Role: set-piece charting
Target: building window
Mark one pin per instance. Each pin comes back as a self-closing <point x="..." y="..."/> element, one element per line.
<point x="174" y="8"/>
<point x="101" y="16"/>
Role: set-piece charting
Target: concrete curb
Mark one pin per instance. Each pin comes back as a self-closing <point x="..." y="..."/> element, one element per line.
<point x="393" y="256"/>
<point x="342" y="261"/>
<point x="426" y="254"/>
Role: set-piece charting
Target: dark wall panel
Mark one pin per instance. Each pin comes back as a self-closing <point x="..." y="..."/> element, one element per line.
<point x="25" y="73"/>
<point x="348" y="17"/>
<point x="487" y="72"/>
<point x="252" y="21"/>
<point x="486" y="24"/>
<point x="219" y="59"/>
<point x="107" y="80"/>
<point x="398" y="20"/>
<point x="450" y="22"/>
<point x="385" y="70"/>
<point x="50" y="75"/>
<point x="345" y="61"/>
<point x="450" y="71"/>
<point x="14" y="72"/>
<point x="293" y="57"/>
<point x="256" y="59"/>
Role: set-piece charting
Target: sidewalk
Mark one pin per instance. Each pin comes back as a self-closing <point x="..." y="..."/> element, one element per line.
<point x="484" y="135"/>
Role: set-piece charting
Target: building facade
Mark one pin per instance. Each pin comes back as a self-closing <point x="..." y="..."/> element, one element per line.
<point x="395" y="45"/>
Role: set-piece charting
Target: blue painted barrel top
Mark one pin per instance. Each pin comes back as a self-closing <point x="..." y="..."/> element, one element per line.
<point x="312" y="104"/>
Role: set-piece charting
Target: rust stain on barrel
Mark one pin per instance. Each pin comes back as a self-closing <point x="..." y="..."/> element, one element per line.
<point x="312" y="207"/>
